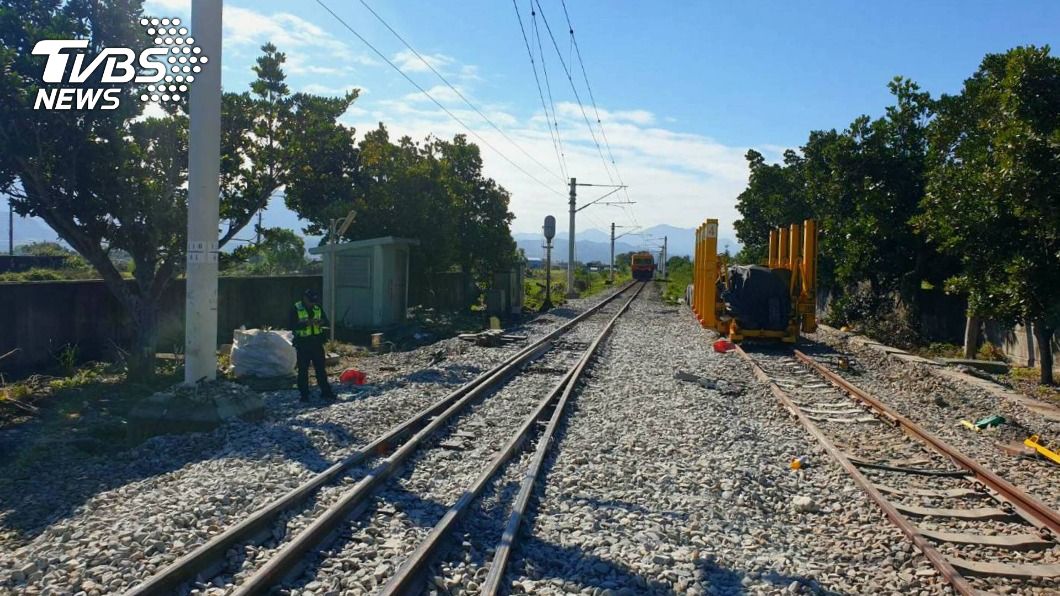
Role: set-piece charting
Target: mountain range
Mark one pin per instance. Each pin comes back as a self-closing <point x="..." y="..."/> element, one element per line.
<point x="595" y="245"/>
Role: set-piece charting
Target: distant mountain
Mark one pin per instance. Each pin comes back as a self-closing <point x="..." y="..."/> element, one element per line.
<point x="585" y="250"/>
<point x="594" y="245"/>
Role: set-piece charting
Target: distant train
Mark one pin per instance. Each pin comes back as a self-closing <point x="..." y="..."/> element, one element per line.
<point x="643" y="266"/>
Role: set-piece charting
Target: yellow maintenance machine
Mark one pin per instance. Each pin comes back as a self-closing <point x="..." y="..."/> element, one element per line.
<point x="774" y="301"/>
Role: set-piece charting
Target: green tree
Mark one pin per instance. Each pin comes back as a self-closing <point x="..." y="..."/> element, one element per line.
<point x="44" y="249"/>
<point x="110" y="181"/>
<point x="480" y="208"/>
<point x="280" y="251"/>
<point x="993" y="194"/>
<point x="773" y="197"/>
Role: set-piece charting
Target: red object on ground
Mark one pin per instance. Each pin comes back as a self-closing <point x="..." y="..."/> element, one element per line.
<point x="723" y="345"/>
<point x="351" y="375"/>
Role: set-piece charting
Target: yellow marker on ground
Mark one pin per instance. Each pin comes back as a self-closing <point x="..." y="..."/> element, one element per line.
<point x="1034" y="444"/>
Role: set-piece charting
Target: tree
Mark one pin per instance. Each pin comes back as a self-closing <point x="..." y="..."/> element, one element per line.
<point x="433" y="192"/>
<point x="993" y="193"/>
<point x="44" y="249"/>
<point x="773" y="198"/>
<point x="280" y="251"/>
<point x="111" y="180"/>
<point x="480" y="208"/>
<point x="862" y="185"/>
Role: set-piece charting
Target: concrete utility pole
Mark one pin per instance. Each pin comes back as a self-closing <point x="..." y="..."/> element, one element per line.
<point x="204" y="163"/>
<point x="611" y="277"/>
<point x="664" y="257"/>
<point x="10" y="226"/>
<point x="571" y="292"/>
<point x="611" y="263"/>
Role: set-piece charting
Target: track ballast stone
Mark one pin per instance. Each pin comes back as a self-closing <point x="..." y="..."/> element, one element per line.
<point x="75" y="522"/>
<point x="663" y="486"/>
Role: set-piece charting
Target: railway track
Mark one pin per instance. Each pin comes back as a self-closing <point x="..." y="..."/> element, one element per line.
<point x="980" y="532"/>
<point x="408" y="465"/>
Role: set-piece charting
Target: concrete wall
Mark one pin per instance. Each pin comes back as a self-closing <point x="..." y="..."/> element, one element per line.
<point x="1020" y="345"/>
<point x="42" y="317"/>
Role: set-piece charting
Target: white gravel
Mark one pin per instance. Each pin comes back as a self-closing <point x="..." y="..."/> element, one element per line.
<point x="939" y="405"/>
<point x="663" y="486"/>
<point x="75" y="522"/>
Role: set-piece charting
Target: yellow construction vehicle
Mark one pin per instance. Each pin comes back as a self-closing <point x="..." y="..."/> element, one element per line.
<point x="774" y="301"/>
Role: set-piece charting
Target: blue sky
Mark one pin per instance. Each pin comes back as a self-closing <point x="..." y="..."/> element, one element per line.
<point x="684" y="88"/>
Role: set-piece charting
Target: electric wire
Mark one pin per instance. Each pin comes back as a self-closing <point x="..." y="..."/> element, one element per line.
<point x="557" y="144"/>
<point x="426" y="63"/>
<point x="548" y="82"/>
<point x="574" y="88"/>
<point x="431" y="97"/>
<point x="592" y="98"/>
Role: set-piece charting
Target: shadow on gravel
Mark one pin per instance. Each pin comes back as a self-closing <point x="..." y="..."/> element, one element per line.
<point x="50" y="479"/>
<point x="564" y="312"/>
<point x="722" y="580"/>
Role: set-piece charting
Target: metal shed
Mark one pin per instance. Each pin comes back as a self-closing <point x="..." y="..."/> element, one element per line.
<point x="366" y="282"/>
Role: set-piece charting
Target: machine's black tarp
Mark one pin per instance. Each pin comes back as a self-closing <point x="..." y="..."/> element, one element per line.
<point x="758" y="297"/>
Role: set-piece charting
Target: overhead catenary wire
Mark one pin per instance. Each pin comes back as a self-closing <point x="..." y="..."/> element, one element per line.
<point x="557" y="143"/>
<point x="548" y="84"/>
<point x="574" y="88"/>
<point x="433" y="100"/>
<point x="561" y="178"/>
<point x="592" y="98"/>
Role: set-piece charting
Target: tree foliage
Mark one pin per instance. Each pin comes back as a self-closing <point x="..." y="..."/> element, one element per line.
<point x="862" y="185"/>
<point x="434" y="192"/>
<point x="993" y="196"/>
<point x="280" y="251"/>
<point x="964" y="190"/>
<point x="114" y="180"/>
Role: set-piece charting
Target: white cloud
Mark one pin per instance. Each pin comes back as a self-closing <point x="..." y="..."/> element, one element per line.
<point x="441" y="93"/>
<point x="243" y="26"/>
<point x="409" y="62"/>
<point x="674" y="177"/>
<point x="319" y="89"/>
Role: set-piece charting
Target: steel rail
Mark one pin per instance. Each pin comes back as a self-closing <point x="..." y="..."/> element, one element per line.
<point x="944" y="567"/>
<point x="210" y="556"/>
<point x="290" y="556"/>
<point x="409" y="579"/>
<point x="1030" y="508"/>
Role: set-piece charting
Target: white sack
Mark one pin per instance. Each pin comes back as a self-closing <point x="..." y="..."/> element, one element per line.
<point x="262" y="353"/>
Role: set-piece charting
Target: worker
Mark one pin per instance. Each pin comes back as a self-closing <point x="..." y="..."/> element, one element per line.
<point x="308" y="322"/>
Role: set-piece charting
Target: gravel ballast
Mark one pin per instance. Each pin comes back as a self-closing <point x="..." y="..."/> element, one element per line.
<point x="77" y="522"/>
<point x="938" y="405"/>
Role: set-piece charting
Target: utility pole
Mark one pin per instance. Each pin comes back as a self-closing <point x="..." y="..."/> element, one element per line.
<point x="204" y="161"/>
<point x="611" y="263"/>
<point x="664" y="255"/>
<point x="257" y="239"/>
<point x="10" y="226"/>
<point x="571" y="292"/>
<point x="611" y="277"/>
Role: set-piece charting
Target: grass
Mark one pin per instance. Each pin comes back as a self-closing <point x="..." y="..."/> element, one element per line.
<point x="588" y="283"/>
<point x="987" y="351"/>
<point x="94" y="386"/>
<point x="1025" y="380"/>
<point x="680" y="275"/>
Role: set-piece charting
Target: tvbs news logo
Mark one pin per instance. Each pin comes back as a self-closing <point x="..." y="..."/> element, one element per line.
<point x="167" y="68"/>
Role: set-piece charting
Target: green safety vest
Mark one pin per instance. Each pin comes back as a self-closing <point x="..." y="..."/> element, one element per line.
<point x="303" y="315"/>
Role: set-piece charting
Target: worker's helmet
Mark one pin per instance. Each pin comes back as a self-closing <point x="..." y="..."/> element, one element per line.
<point x="311" y="295"/>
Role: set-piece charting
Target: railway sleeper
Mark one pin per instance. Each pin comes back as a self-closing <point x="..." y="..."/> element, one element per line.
<point x="1020" y="542"/>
